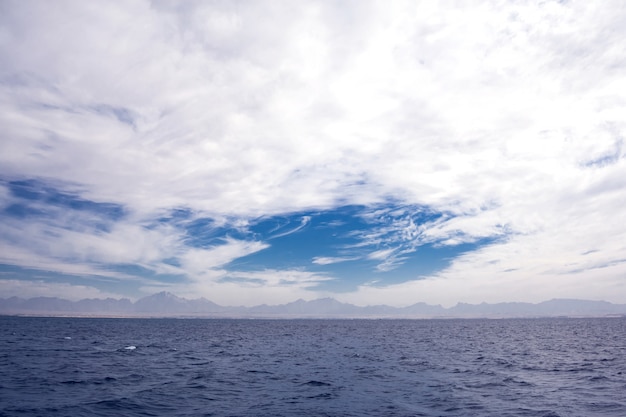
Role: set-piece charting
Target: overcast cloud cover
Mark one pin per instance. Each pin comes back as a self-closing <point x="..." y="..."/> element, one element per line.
<point x="258" y="152"/>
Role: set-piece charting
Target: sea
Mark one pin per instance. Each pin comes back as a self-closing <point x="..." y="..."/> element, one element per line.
<point x="232" y="367"/>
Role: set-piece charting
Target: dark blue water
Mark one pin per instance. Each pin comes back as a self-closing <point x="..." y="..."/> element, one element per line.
<point x="88" y="367"/>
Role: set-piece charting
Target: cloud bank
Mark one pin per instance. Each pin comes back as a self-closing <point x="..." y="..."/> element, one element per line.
<point x="145" y="143"/>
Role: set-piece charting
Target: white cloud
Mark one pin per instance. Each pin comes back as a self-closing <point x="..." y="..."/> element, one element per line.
<point x="329" y="260"/>
<point x="69" y="241"/>
<point x="279" y="278"/>
<point x="381" y="254"/>
<point x="199" y="262"/>
<point x="41" y="288"/>
<point x="303" y="222"/>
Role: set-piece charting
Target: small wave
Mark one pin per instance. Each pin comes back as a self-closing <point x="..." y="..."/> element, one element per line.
<point x="515" y="381"/>
<point x="200" y="363"/>
<point x="121" y="404"/>
<point x="313" y="383"/>
<point x="197" y="386"/>
<point x="72" y="382"/>
<point x="324" y="396"/>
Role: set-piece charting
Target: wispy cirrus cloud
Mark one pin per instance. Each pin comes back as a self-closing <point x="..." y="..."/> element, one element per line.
<point x="328" y="260"/>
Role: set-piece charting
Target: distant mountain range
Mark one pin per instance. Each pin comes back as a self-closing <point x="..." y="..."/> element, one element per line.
<point x="165" y="304"/>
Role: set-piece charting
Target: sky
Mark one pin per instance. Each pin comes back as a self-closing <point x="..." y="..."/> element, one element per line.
<point x="376" y="152"/>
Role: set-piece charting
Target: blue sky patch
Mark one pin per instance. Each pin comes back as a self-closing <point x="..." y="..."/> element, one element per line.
<point x="354" y="244"/>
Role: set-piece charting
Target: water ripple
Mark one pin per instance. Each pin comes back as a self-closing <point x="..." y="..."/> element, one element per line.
<point x="136" y="367"/>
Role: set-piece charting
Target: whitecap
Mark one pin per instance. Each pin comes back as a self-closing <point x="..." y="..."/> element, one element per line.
<point x="130" y="347"/>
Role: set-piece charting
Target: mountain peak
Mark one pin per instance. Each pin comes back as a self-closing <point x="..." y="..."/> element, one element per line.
<point x="165" y="294"/>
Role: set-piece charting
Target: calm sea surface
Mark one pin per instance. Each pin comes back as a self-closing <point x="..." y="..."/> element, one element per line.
<point x="195" y="367"/>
